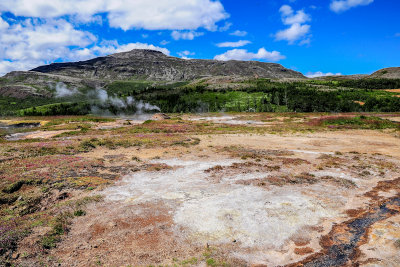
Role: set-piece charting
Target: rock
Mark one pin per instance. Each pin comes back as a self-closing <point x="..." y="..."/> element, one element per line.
<point x="112" y="224"/>
<point x="63" y="196"/>
<point x="15" y="256"/>
<point x="160" y="117"/>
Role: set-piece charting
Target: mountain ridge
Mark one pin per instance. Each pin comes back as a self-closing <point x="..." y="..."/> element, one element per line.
<point x="154" y="65"/>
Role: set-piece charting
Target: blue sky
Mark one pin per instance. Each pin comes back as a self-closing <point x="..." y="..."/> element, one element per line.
<point x="315" y="37"/>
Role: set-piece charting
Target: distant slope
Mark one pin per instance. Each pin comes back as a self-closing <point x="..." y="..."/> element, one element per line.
<point x="388" y="73"/>
<point x="154" y="65"/>
<point x="342" y="77"/>
<point x="22" y="84"/>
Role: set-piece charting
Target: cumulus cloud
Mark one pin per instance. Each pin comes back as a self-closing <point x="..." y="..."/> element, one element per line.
<point x="293" y="33"/>
<point x="298" y="30"/>
<point x="290" y="17"/>
<point x="339" y="6"/>
<point x="239" y="33"/>
<point x="7" y="66"/>
<point x="321" y="74"/>
<point x="32" y="42"/>
<point x="243" y="54"/>
<point x="185" y="54"/>
<point x="127" y="14"/>
<point x="234" y="44"/>
<point x="3" y="24"/>
<point x="45" y="31"/>
<point x="185" y="35"/>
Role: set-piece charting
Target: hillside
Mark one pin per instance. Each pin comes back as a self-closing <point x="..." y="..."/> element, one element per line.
<point x="387" y="73"/>
<point x="154" y="65"/>
<point x="142" y="81"/>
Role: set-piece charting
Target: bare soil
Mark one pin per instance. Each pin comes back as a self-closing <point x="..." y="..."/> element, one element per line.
<point x="323" y="198"/>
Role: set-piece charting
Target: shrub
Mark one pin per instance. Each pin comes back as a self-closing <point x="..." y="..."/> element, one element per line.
<point x="79" y="213"/>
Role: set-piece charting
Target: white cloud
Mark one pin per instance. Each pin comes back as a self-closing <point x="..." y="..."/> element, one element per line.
<point x="7" y="66"/>
<point x="321" y="74"/>
<point x="164" y="42"/>
<point x="397" y="34"/>
<point x="31" y="42"/>
<point x="185" y="54"/>
<point x="343" y="5"/>
<point x="234" y="44"/>
<point x="186" y="35"/>
<point x="293" y="33"/>
<point x="290" y="17"/>
<point x="226" y="27"/>
<point x="112" y="47"/>
<point x="127" y="14"/>
<point x="243" y="54"/>
<point x="3" y="24"/>
<point x="298" y="30"/>
<point x="239" y="33"/>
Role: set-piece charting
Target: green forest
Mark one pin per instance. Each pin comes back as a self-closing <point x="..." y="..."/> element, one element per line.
<point x="261" y="95"/>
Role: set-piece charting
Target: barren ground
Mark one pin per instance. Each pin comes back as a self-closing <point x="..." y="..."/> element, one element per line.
<point x="239" y="190"/>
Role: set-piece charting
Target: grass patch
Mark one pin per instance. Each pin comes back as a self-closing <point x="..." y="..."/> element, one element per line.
<point x="60" y="226"/>
<point x="358" y="122"/>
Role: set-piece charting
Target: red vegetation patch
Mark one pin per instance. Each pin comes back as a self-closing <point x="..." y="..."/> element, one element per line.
<point x="157" y="167"/>
<point x="321" y="120"/>
<point x="294" y="161"/>
<point x="303" y="178"/>
<point x="44" y="168"/>
<point x="383" y="186"/>
<point x="303" y="251"/>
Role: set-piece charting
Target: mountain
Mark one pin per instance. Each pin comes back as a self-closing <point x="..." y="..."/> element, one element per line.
<point x="154" y="65"/>
<point x="388" y="73"/>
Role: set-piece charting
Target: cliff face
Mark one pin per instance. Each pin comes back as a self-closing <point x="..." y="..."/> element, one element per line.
<point x="154" y="65"/>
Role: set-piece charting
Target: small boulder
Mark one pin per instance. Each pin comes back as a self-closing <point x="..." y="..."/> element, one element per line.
<point x="160" y="117"/>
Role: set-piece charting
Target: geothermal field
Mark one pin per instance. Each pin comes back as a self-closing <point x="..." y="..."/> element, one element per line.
<point x="237" y="189"/>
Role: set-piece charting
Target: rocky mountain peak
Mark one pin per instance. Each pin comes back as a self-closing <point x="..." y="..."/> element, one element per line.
<point x="153" y="65"/>
<point x="139" y="53"/>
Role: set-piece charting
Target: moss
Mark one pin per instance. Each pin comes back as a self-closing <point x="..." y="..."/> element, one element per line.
<point x="14" y="187"/>
<point x="60" y="226"/>
<point x="79" y="213"/>
<point x="87" y="181"/>
<point x="211" y="262"/>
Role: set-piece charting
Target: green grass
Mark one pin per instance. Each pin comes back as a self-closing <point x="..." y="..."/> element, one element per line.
<point x="362" y="122"/>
